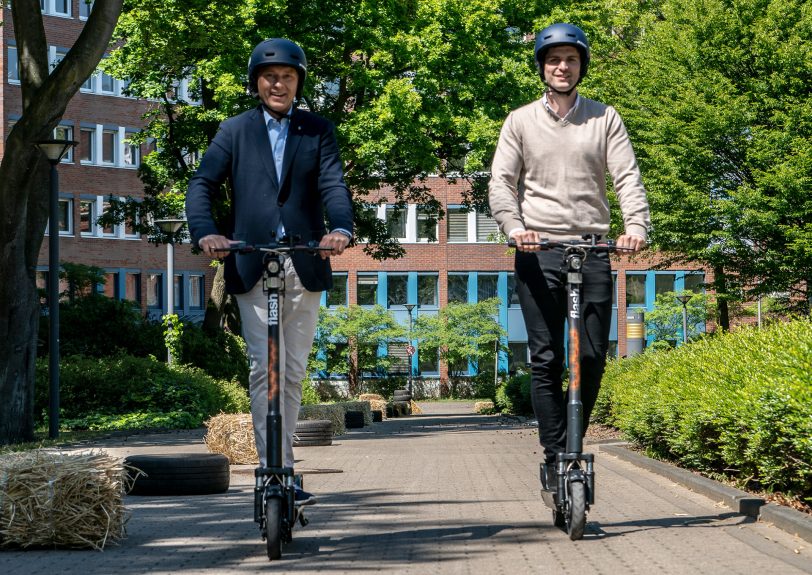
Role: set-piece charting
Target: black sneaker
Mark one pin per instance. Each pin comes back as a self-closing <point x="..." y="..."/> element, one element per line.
<point x="302" y="497"/>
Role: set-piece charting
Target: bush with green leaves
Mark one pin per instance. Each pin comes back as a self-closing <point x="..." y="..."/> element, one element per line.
<point x="739" y="403"/>
<point x="513" y="396"/>
<point x="100" y="389"/>
<point x="221" y="353"/>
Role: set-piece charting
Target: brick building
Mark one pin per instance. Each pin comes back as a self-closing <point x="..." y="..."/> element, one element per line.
<point x="459" y="265"/>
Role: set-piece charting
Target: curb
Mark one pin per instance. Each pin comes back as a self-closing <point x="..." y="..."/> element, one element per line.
<point x="785" y="518"/>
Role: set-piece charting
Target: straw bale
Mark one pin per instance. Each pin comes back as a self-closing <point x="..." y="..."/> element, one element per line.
<point x="362" y="406"/>
<point x="369" y="397"/>
<point x="50" y="499"/>
<point x="378" y="405"/>
<point x="415" y="408"/>
<point x="332" y="411"/>
<point x="232" y="434"/>
<point x="484" y="407"/>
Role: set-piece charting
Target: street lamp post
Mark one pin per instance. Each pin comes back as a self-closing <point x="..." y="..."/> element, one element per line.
<point x="54" y="150"/>
<point x="684" y="299"/>
<point x="409" y="307"/>
<point x="170" y="227"/>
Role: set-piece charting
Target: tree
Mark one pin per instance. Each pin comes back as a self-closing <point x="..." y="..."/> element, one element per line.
<point x="664" y="322"/>
<point x="350" y="337"/>
<point x="716" y="95"/>
<point x="463" y="333"/>
<point x="24" y="194"/>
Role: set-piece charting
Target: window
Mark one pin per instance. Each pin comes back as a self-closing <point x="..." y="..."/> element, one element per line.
<point x="427" y="290"/>
<point x="337" y="295"/>
<point x="132" y="287"/>
<point x="87" y="145"/>
<point x="396" y="222"/>
<point x="129" y="228"/>
<point x="196" y="292"/>
<point x="13" y="65"/>
<point x="61" y="7"/>
<point x="513" y="294"/>
<point x="85" y="7"/>
<point x="58" y="55"/>
<point x="65" y="133"/>
<point x="108" y="230"/>
<point x="614" y="289"/>
<point x="457" y="288"/>
<point x="367" y="289"/>
<point x="663" y="283"/>
<point x="109" y="145"/>
<point x="426" y="226"/>
<point x="132" y="154"/>
<point x="486" y="286"/>
<point x="90" y="84"/>
<point x="154" y="287"/>
<point x="177" y="293"/>
<point x="428" y="360"/>
<point x="486" y="228"/>
<point x="108" y="84"/>
<point x="87" y="217"/>
<point x="400" y="358"/>
<point x="65" y="216"/>
<point x="517" y="356"/>
<point x="694" y="282"/>
<point x="457" y="220"/>
<point x="635" y="289"/>
<point x="397" y="290"/>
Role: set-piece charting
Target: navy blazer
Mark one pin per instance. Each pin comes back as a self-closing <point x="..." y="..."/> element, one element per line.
<point x="312" y="186"/>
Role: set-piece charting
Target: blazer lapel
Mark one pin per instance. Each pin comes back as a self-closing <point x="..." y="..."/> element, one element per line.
<point x="291" y="145"/>
<point x="264" y="146"/>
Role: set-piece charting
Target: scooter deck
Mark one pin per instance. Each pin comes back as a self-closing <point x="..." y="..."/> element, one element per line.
<point x="549" y="499"/>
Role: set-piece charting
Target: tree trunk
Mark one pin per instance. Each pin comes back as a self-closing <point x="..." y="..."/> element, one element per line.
<point x="24" y="193"/>
<point x="722" y="308"/>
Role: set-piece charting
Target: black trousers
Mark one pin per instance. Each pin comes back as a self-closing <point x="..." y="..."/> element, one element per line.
<point x="541" y="284"/>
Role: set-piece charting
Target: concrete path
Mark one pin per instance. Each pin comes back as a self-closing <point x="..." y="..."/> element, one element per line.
<point x="444" y="492"/>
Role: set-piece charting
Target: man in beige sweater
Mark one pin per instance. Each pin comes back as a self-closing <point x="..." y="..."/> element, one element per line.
<point x="548" y="181"/>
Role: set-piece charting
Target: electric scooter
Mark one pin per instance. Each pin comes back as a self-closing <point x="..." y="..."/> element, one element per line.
<point x="574" y="490"/>
<point x="274" y="491"/>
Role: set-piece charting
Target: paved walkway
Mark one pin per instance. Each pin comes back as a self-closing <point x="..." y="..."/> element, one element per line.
<point x="444" y="492"/>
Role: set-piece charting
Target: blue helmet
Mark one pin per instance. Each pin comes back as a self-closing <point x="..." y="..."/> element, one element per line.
<point x="276" y="51"/>
<point x="562" y="35"/>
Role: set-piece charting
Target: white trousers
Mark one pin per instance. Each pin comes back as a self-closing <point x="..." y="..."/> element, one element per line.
<point x="300" y="313"/>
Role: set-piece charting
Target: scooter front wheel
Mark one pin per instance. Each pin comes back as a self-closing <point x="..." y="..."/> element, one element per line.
<point x="273" y="527"/>
<point x="576" y="510"/>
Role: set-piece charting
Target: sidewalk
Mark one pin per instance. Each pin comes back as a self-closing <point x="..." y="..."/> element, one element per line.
<point x="443" y="492"/>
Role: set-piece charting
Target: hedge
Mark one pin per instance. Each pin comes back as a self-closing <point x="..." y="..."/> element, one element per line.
<point x="739" y="403"/>
<point x="96" y="392"/>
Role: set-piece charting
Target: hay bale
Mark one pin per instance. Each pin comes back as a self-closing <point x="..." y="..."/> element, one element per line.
<point x="484" y="407"/>
<point x="378" y="405"/>
<point x="232" y="434"/>
<point x="370" y="397"/>
<point x="415" y="408"/>
<point x="332" y="411"/>
<point x="61" y="500"/>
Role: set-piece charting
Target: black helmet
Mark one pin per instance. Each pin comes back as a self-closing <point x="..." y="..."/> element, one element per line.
<point x="277" y="51"/>
<point x="562" y="35"/>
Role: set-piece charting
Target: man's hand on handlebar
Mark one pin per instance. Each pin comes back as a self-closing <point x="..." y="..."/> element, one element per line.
<point x="336" y="242"/>
<point x="526" y="240"/>
<point x="630" y="242"/>
<point x="216" y="246"/>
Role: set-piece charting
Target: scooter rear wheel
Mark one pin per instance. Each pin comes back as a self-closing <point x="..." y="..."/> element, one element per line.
<point x="576" y="510"/>
<point x="273" y="527"/>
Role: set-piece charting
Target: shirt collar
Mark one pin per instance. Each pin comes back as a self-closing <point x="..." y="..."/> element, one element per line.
<point x="269" y="118"/>
<point x="546" y="101"/>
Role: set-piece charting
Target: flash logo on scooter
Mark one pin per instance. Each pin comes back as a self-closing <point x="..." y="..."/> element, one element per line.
<point x="273" y="310"/>
<point x="575" y="312"/>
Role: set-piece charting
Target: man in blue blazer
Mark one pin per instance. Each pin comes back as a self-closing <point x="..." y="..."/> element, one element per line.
<point x="285" y="174"/>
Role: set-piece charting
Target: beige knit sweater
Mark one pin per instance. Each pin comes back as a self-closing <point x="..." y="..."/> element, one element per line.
<point x="549" y="175"/>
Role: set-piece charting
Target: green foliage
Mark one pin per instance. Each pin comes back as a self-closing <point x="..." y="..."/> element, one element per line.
<point x="135" y="420"/>
<point x="173" y="332"/>
<point x="221" y="353"/>
<point x="115" y="386"/>
<point x="310" y="396"/>
<point x="350" y="338"/>
<point x="664" y="322"/>
<point x="513" y="396"/>
<point x="97" y="326"/>
<point x="82" y="279"/>
<point x="463" y="333"/>
<point x="739" y="403"/>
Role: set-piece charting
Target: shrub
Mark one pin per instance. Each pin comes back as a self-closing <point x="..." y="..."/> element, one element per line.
<point x="123" y="384"/>
<point x="740" y="402"/>
<point x="309" y="394"/>
<point x="221" y="354"/>
<point x="513" y="396"/>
